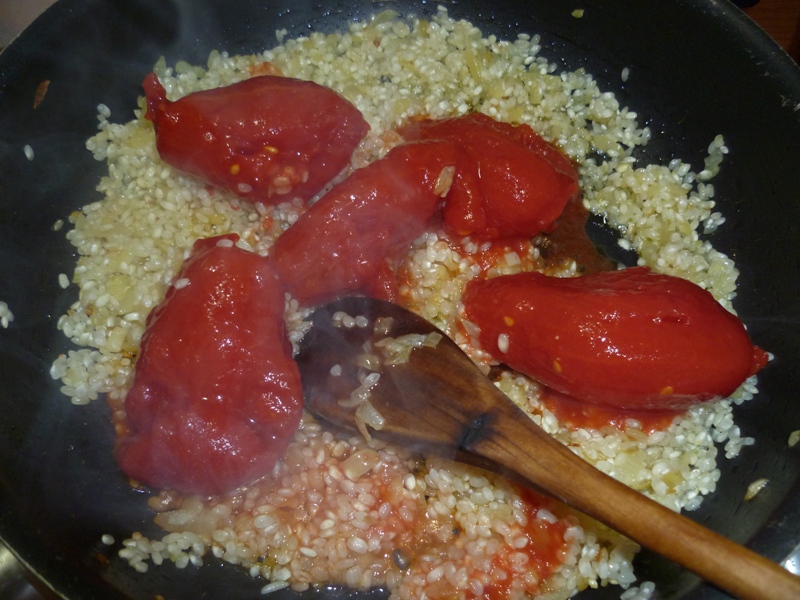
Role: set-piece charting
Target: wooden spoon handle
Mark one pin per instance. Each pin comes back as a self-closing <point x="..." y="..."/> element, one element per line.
<point x="513" y="441"/>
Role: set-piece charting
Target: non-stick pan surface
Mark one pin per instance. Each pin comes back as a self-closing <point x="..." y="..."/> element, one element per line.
<point x="696" y="69"/>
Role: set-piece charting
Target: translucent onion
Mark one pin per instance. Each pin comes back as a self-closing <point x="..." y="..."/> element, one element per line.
<point x="370" y="415"/>
<point x="433" y="338"/>
<point x="357" y="396"/>
<point x="368" y="361"/>
<point x="360" y="463"/>
<point x="383" y="325"/>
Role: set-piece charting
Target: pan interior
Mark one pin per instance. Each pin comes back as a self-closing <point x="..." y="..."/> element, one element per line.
<point x="61" y="490"/>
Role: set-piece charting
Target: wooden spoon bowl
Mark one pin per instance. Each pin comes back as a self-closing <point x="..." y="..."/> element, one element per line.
<point x="437" y="401"/>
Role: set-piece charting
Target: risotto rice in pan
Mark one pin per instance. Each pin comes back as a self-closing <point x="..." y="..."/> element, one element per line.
<point x="341" y="510"/>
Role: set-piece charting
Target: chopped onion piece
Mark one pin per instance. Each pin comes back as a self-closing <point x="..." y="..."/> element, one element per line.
<point x="360" y="463"/>
<point x="433" y="339"/>
<point x="368" y="361"/>
<point x="370" y="415"/>
<point x="397" y="350"/>
<point x="357" y="396"/>
<point x="473" y="334"/>
<point x="362" y="428"/>
<point x="383" y="325"/>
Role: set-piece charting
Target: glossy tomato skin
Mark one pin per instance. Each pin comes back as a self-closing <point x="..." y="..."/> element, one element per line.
<point x="349" y="241"/>
<point x="267" y="138"/>
<point x="509" y="182"/>
<point x="216" y="395"/>
<point x="630" y="339"/>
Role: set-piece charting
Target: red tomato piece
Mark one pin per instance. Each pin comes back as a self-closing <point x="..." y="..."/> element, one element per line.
<point x="630" y="338"/>
<point x="349" y="241"/>
<point x="216" y="395"/>
<point x="509" y="183"/>
<point x="266" y="138"/>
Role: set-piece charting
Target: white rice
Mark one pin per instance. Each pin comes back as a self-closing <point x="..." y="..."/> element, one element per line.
<point x="309" y="522"/>
<point x="6" y="316"/>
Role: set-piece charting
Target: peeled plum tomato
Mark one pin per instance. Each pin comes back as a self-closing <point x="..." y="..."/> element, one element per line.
<point x="509" y="182"/>
<point x="630" y="339"/>
<point x="262" y="138"/>
<point x="216" y="395"/>
<point x="349" y="240"/>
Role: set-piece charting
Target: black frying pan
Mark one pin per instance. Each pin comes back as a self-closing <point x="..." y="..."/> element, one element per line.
<point x="697" y="68"/>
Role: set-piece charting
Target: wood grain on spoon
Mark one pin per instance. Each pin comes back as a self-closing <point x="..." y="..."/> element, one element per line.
<point x="438" y="402"/>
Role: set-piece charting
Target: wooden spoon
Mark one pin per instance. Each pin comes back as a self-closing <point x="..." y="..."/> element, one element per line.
<point x="438" y="402"/>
